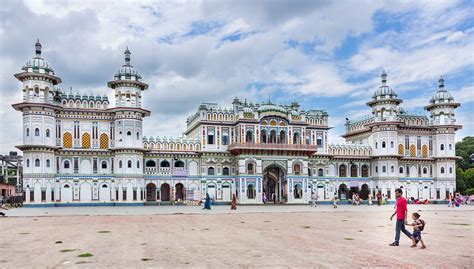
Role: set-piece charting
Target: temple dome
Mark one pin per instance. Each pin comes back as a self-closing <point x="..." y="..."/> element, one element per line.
<point x="441" y="96"/>
<point x="38" y="64"/>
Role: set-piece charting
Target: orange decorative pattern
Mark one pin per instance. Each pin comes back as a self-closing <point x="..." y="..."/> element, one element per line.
<point x="401" y="149"/>
<point x="67" y="140"/>
<point x="86" y="141"/>
<point x="424" y="151"/>
<point x="412" y="150"/>
<point x="104" y="141"/>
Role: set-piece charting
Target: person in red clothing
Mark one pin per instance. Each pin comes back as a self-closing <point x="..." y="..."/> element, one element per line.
<point x="402" y="213"/>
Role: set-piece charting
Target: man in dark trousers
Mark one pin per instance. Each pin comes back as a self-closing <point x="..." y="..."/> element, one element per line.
<point x="402" y="213"/>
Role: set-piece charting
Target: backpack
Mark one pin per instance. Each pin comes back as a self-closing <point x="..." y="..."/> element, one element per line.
<point x="422" y="227"/>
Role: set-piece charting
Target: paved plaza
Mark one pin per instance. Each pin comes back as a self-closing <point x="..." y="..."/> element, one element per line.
<point x="252" y="236"/>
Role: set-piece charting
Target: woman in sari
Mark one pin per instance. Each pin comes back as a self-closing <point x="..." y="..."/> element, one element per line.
<point x="207" y="203"/>
<point x="233" y="205"/>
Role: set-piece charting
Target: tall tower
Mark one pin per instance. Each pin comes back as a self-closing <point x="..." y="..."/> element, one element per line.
<point x="442" y="106"/>
<point x="128" y="120"/>
<point x="39" y="120"/>
<point x="384" y="102"/>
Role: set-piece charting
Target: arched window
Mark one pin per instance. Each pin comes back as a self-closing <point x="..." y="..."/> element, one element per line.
<point x="392" y="145"/>
<point x="353" y="170"/>
<point x="425" y="171"/>
<point x="37" y="163"/>
<point x="250" y="169"/>
<point x="450" y="170"/>
<point x="27" y="131"/>
<point x="48" y="163"/>
<point x="150" y="163"/>
<point x="210" y="171"/>
<point x="376" y="144"/>
<point x="365" y="170"/>
<point x="129" y="133"/>
<point x="67" y="164"/>
<point x="120" y="164"/>
<point x="27" y="162"/>
<point x="384" y="169"/>
<point x="383" y="144"/>
<point x="441" y="147"/>
<point x="392" y="169"/>
<point x="104" y="165"/>
<point x="138" y="164"/>
<point x="248" y="137"/>
<point x="37" y="132"/>
<point x="179" y="164"/>
<point x="376" y="169"/>
<point x="47" y="133"/>
<point x="297" y="169"/>
<point x="442" y="170"/>
<point x="129" y="164"/>
<point x="225" y="171"/>
<point x="342" y="170"/>
<point x="164" y="163"/>
<point x="450" y="147"/>
<point x="138" y="136"/>
<point x="320" y="172"/>
<point x="400" y="170"/>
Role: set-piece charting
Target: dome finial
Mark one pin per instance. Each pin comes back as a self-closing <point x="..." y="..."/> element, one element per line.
<point x="127" y="56"/>
<point x="38" y="48"/>
<point x="384" y="77"/>
<point x="441" y="83"/>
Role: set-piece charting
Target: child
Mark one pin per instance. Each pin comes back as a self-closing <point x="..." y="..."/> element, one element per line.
<point x="334" y="201"/>
<point x="418" y="226"/>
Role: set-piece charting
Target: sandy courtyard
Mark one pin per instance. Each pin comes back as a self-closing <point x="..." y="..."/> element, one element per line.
<point x="252" y="237"/>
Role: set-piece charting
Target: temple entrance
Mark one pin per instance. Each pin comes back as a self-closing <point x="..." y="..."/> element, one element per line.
<point x="275" y="185"/>
<point x="150" y="192"/>
<point x="165" y="192"/>
<point x="179" y="192"/>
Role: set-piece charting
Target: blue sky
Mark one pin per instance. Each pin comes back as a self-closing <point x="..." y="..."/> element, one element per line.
<point x="324" y="54"/>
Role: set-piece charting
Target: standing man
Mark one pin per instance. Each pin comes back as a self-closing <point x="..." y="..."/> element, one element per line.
<point x="402" y="212"/>
<point x="314" y="199"/>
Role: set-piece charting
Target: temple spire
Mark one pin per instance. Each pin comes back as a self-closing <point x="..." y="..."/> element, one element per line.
<point x="441" y="83"/>
<point x="38" y="48"/>
<point x="127" y="56"/>
<point x="384" y="78"/>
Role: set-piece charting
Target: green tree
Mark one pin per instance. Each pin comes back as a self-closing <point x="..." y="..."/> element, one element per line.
<point x="465" y="149"/>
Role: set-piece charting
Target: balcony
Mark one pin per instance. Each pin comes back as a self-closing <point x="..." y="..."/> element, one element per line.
<point x="175" y="172"/>
<point x="238" y="148"/>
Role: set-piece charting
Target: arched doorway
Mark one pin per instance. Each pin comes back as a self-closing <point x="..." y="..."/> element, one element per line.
<point x="275" y="184"/>
<point x="343" y="192"/>
<point x="150" y="192"/>
<point x="165" y="192"/>
<point x="364" y="192"/>
<point x="179" y="192"/>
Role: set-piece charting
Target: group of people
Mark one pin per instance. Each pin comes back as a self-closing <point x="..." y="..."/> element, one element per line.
<point x="457" y="200"/>
<point x="208" y="202"/>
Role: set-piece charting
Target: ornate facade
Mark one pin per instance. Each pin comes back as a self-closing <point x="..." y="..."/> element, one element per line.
<point x="80" y="150"/>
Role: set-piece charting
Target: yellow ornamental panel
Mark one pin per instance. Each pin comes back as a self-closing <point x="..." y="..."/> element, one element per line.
<point x="86" y="141"/>
<point x="412" y="150"/>
<point x="67" y="140"/>
<point x="424" y="151"/>
<point x="104" y="141"/>
<point x="401" y="149"/>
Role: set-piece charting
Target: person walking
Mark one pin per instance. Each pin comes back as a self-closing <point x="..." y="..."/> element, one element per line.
<point x="233" y="204"/>
<point x="334" y="200"/>
<point x="370" y="199"/>
<point x="379" y="198"/>
<point x="207" y="203"/>
<point x="264" y="197"/>
<point x="450" y="200"/>
<point x="314" y="199"/>
<point x="402" y="213"/>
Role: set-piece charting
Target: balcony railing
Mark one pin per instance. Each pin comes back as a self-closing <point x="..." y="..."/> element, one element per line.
<point x="272" y="146"/>
<point x="177" y="171"/>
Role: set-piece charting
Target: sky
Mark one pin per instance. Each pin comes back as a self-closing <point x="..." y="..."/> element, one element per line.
<point x="325" y="54"/>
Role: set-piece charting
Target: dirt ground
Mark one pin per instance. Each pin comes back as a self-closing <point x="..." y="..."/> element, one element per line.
<point x="321" y="239"/>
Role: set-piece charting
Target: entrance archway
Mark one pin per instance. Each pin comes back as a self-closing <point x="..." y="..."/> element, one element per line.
<point x="165" y="192"/>
<point x="179" y="192"/>
<point x="343" y="192"/>
<point x="150" y="192"/>
<point x="275" y="184"/>
<point x="364" y="192"/>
